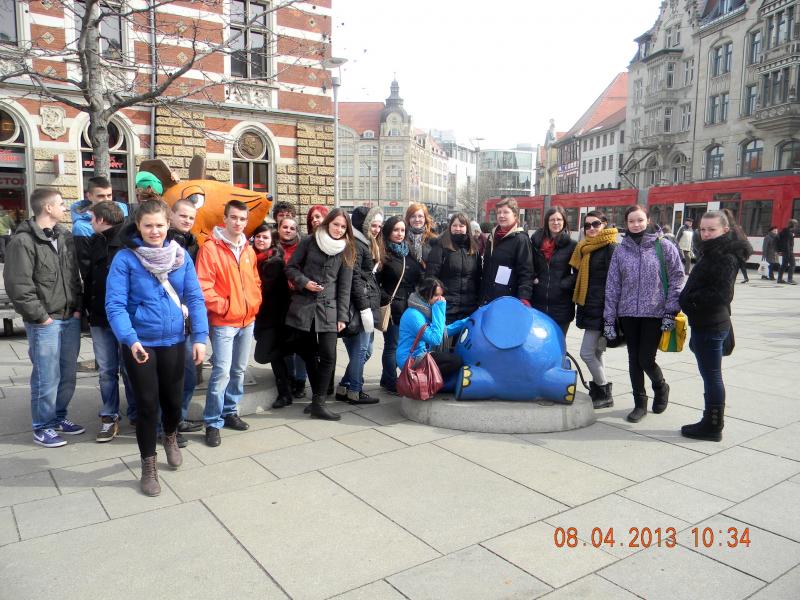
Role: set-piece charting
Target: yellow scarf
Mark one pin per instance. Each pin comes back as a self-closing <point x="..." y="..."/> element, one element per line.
<point x="580" y="260"/>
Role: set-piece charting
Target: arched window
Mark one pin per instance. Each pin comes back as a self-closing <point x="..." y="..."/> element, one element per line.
<point x="752" y="154"/>
<point x="679" y="168"/>
<point x="119" y="159"/>
<point x="369" y="134"/>
<point x="789" y="156"/>
<point x="13" y="192"/>
<point x="653" y="174"/>
<point x="251" y="162"/>
<point x="714" y="159"/>
<point x="394" y="132"/>
<point x="393" y="170"/>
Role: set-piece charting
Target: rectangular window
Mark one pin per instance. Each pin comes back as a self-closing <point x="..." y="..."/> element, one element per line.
<point x="637" y="90"/>
<point x="670" y="75"/>
<point x="8" y="22"/>
<point x="585" y="145"/>
<point x="686" y="117"/>
<point x="611" y="138"/>
<point x="622" y="136"/>
<point x="750" y="99"/>
<point x="636" y="125"/>
<point x="770" y="32"/>
<point x="590" y="165"/>
<point x="583" y="167"/>
<point x="667" y="120"/>
<point x="727" y="57"/>
<point x="688" y="71"/>
<point x="756" y="217"/>
<point x="716" y="61"/>
<point x="713" y="110"/>
<point x="250" y="37"/>
<point x="724" y="106"/>
<point x="605" y="140"/>
<point x="597" y="164"/>
<point x="591" y="143"/>
<point x="603" y="164"/>
<point x="754" y="51"/>
<point x="620" y="161"/>
<point x="110" y="27"/>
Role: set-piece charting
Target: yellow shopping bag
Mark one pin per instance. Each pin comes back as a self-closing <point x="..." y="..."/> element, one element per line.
<point x="672" y="341"/>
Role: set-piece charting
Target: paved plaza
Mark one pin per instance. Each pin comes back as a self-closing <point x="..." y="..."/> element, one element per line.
<point x="376" y="507"/>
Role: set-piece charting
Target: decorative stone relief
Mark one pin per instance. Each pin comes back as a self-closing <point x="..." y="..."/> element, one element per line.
<point x="249" y="95"/>
<point x="53" y="121"/>
<point x="48" y="38"/>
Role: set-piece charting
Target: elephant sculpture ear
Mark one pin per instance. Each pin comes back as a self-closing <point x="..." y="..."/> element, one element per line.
<point x="507" y="323"/>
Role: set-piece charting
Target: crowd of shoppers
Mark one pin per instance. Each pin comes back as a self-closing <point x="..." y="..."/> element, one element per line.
<point x="153" y="299"/>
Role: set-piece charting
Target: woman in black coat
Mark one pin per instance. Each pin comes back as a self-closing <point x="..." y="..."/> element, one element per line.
<point x="321" y="270"/>
<point x="553" y="278"/>
<point x="706" y="299"/>
<point x="365" y="298"/>
<point x="455" y="261"/>
<point x="398" y="277"/>
<point x="591" y="259"/>
<point x="507" y="268"/>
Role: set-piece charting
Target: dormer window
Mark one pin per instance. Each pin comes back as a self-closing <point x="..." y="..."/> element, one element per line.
<point x="369" y="134"/>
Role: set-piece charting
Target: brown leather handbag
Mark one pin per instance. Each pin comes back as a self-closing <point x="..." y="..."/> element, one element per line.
<point x="420" y="379"/>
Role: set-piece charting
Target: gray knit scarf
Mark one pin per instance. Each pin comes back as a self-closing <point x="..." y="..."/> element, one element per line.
<point x="160" y="261"/>
<point x="415" y="236"/>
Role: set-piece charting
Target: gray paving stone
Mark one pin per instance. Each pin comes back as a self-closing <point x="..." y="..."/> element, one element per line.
<point x="8" y="527"/>
<point x="124" y="498"/>
<point x="679" y="574"/>
<point x="311" y="456"/>
<point x="238" y="445"/>
<point x="784" y="442"/>
<point x="755" y="471"/>
<point x="775" y="510"/>
<point x="207" y="481"/>
<point x="411" y="433"/>
<point x="370" y="442"/>
<point x="309" y="521"/>
<point x="190" y="461"/>
<point x="317" y="429"/>
<point x="783" y="588"/>
<point x="562" y="478"/>
<point x="624" y="453"/>
<point x="767" y="557"/>
<point x="591" y="587"/>
<point x="83" y="554"/>
<point x="471" y="503"/>
<point x="50" y="515"/>
<point x="620" y="514"/>
<point x="15" y="442"/>
<point x="533" y="549"/>
<point x="385" y="413"/>
<point x="678" y="500"/>
<point x="469" y="574"/>
<point x="26" y="488"/>
<point x="379" y="590"/>
<point x="82" y="477"/>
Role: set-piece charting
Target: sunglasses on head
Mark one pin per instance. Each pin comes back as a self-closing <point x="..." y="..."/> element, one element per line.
<point x="592" y="224"/>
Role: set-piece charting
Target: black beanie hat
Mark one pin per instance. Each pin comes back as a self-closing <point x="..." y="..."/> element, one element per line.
<point x="358" y="217"/>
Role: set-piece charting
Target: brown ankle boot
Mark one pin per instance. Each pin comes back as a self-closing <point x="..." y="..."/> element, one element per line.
<point x="149" y="482"/>
<point x="171" y="449"/>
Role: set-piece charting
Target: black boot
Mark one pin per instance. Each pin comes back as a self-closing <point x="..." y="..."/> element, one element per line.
<point x="299" y="388"/>
<point x="598" y="395"/>
<point x="282" y="401"/>
<point x="640" y="408"/>
<point x="660" y="397"/>
<point x="709" y="427"/>
<point x="607" y="400"/>
<point x="319" y="411"/>
<point x="284" y="393"/>
<point x="594" y="392"/>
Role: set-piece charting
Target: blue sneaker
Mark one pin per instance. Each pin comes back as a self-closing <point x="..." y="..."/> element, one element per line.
<point x="67" y="427"/>
<point x="48" y="438"/>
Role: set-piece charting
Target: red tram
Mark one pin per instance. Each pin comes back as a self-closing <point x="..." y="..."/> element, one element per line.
<point x="758" y="202"/>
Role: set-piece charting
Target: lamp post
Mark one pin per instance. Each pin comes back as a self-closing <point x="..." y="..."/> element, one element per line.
<point x="336" y="82"/>
<point x="476" y="142"/>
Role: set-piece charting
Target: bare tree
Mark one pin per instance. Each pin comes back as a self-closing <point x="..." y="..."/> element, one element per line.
<point x="96" y="75"/>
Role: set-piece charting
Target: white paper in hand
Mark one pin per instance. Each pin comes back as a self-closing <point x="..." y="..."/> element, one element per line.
<point x="503" y="275"/>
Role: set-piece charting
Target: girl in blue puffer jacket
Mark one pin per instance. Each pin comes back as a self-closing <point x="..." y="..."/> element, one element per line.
<point x="428" y="306"/>
<point x="635" y="296"/>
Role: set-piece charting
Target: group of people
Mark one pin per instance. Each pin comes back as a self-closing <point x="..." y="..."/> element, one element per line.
<point x="153" y="299"/>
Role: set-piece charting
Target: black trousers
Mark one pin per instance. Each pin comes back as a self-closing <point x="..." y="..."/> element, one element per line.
<point x="318" y="351"/>
<point x="156" y="383"/>
<point x="787" y="266"/>
<point x="642" y="336"/>
<point x="448" y="363"/>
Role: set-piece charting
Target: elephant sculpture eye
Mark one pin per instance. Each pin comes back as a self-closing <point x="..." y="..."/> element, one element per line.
<point x="464" y="336"/>
<point x="197" y="199"/>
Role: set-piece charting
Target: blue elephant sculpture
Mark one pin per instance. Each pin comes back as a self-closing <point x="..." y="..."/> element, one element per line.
<point x="512" y="352"/>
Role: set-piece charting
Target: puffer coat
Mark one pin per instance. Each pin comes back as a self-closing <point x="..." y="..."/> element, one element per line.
<point x="553" y="281"/>
<point x="460" y="272"/>
<point x="590" y="315"/>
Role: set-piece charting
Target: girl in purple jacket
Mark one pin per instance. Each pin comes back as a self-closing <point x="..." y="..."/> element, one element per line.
<point x="635" y="296"/>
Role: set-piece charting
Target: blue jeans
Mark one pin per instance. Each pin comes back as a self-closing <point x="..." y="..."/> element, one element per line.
<point x="296" y="367"/>
<point x="359" y="349"/>
<point x="388" y="358"/>
<point x="53" y="350"/>
<point x="189" y="378"/>
<point x="108" y="354"/>
<point x="707" y="348"/>
<point x="231" y="353"/>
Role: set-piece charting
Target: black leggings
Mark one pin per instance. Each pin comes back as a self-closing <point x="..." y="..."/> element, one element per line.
<point x="318" y="351"/>
<point x="642" y="335"/>
<point x="448" y="362"/>
<point x="158" y="382"/>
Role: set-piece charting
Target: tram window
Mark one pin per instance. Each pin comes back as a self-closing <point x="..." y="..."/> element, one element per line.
<point x="795" y="210"/>
<point x="661" y="214"/>
<point x="756" y="217"/>
<point x="732" y="204"/>
<point x="572" y="219"/>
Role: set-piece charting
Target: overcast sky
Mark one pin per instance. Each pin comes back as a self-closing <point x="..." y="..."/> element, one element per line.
<point x="497" y="70"/>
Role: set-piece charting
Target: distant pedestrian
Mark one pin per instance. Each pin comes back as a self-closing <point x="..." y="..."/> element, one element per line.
<point x="228" y="274"/>
<point x="685" y="240"/>
<point x="769" y="252"/>
<point x="591" y="259"/>
<point x="44" y="286"/>
<point x="152" y="288"/>
<point x="666" y="233"/>
<point x="786" y="248"/>
<point x="507" y="263"/>
<point x="635" y="295"/>
<point x="737" y="233"/>
<point x="7" y="227"/>
<point x="553" y="277"/>
<point x="706" y="300"/>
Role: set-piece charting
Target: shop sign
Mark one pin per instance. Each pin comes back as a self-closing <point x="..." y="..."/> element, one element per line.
<point x="10" y="157"/>
<point x="12" y="181"/>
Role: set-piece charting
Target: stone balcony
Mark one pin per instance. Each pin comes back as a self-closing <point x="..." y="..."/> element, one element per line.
<point x="782" y="119"/>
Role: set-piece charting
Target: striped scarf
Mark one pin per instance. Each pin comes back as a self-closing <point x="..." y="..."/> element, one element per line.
<point x="580" y="260"/>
